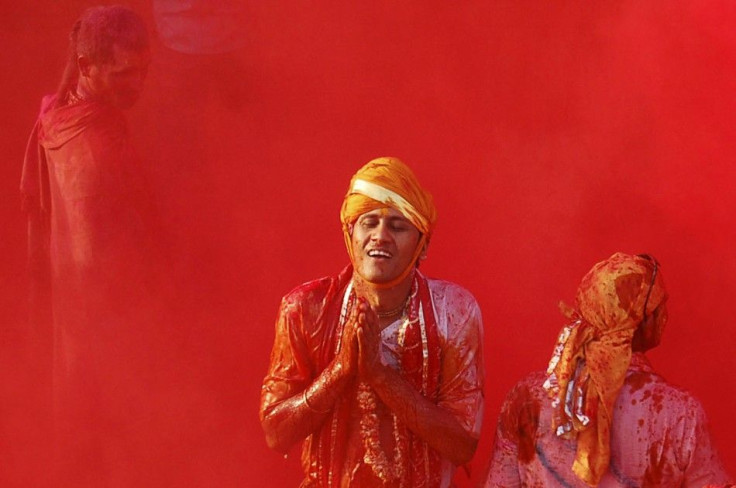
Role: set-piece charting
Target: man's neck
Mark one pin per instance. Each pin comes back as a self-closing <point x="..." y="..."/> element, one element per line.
<point x="82" y="91"/>
<point x="384" y="300"/>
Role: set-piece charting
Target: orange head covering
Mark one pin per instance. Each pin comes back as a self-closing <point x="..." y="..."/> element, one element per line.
<point x="589" y="363"/>
<point x="387" y="182"/>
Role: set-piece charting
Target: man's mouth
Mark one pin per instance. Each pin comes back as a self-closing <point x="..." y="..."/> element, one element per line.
<point x="379" y="253"/>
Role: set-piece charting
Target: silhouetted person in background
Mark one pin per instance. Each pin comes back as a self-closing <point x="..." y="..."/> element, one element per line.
<point x="92" y="247"/>
<point x="600" y="415"/>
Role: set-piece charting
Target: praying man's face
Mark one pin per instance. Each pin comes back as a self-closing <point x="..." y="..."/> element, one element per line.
<point x="384" y="243"/>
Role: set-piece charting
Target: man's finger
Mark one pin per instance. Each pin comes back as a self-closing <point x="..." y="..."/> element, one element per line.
<point x="359" y="334"/>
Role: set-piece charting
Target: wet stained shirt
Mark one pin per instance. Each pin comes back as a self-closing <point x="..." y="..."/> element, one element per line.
<point x="659" y="437"/>
<point x="461" y="383"/>
<point x="460" y="389"/>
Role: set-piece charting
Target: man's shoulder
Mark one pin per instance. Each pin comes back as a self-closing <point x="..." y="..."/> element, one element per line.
<point x="47" y="102"/>
<point x="306" y="303"/>
<point x="47" y="105"/>
<point x="309" y="289"/>
<point x="645" y="380"/>
<point x="314" y="291"/>
<point x="61" y="124"/>
<point x="671" y="393"/>
<point x="456" y="310"/>
<point x="533" y="383"/>
<point x="647" y="388"/>
<point x="526" y="396"/>
<point x="450" y="292"/>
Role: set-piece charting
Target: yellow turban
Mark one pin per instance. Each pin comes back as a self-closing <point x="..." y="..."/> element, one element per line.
<point x="388" y="182"/>
<point x="589" y="364"/>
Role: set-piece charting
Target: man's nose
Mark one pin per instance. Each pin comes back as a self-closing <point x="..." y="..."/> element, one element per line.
<point x="381" y="233"/>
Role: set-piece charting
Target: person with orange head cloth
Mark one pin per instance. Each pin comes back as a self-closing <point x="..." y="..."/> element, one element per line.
<point x="600" y="415"/>
<point x="379" y="369"/>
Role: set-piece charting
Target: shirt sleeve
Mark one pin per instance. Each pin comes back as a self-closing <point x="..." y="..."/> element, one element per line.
<point x="462" y="371"/>
<point x="702" y="464"/>
<point x="290" y="368"/>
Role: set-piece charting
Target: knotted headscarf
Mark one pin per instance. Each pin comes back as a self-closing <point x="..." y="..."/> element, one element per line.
<point x="592" y="354"/>
<point x="388" y="182"/>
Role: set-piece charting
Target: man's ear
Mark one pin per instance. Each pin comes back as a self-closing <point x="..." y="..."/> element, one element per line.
<point x="423" y="254"/>
<point x="85" y="65"/>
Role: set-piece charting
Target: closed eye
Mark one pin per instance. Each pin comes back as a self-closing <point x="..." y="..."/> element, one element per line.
<point x="369" y="222"/>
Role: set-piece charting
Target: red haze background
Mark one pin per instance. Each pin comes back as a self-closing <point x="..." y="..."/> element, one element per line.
<point x="550" y="133"/>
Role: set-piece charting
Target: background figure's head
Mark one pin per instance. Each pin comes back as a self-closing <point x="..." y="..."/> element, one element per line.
<point x="108" y="56"/>
<point x="649" y="333"/>
<point x="385" y="192"/>
<point x="625" y="292"/>
<point x="619" y="309"/>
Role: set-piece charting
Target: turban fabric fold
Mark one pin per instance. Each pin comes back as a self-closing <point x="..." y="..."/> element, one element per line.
<point x="589" y="363"/>
<point x="388" y="182"/>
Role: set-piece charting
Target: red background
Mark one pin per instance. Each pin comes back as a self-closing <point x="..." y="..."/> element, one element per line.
<point x="551" y="135"/>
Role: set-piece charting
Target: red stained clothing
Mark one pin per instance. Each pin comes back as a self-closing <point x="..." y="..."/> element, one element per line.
<point x="91" y="244"/>
<point x="82" y="176"/>
<point x="304" y="342"/>
<point x="659" y="437"/>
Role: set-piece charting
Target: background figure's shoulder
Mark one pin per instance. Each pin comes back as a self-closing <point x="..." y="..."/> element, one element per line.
<point x="522" y="413"/>
<point x="682" y="397"/>
<point x="47" y="102"/>
<point x="524" y="403"/>
<point x="650" y="387"/>
<point x="529" y="387"/>
<point x="662" y="406"/>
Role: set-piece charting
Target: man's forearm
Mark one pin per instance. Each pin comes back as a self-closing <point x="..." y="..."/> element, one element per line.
<point x="435" y="425"/>
<point x="302" y="414"/>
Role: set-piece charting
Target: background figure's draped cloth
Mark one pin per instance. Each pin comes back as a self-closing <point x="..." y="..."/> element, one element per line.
<point x="388" y="182"/>
<point x="34" y="190"/>
<point x="87" y="183"/>
<point x="593" y="353"/>
<point x="91" y="240"/>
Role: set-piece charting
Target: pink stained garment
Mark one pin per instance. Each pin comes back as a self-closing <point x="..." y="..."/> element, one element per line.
<point x="84" y="180"/>
<point x="302" y="339"/>
<point x="93" y="253"/>
<point x="659" y="437"/>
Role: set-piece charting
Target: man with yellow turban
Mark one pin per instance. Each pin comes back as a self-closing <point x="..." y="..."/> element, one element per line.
<point x="378" y="369"/>
<point x="600" y="415"/>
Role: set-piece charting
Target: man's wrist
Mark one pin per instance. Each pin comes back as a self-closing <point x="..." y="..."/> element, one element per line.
<point x="340" y="368"/>
<point x="309" y="405"/>
<point x="377" y="375"/>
